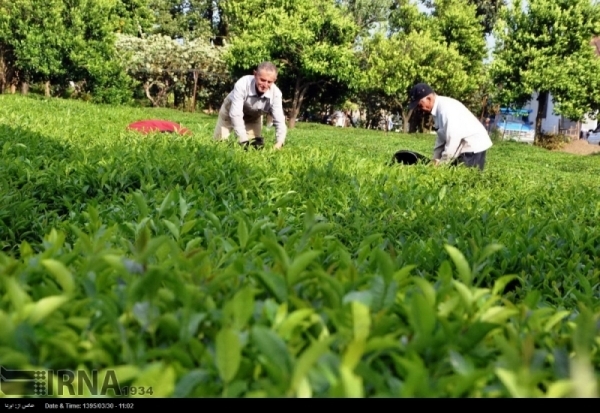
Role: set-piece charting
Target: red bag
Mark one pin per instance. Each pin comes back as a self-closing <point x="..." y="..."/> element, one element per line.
<point x="156" y="125"/>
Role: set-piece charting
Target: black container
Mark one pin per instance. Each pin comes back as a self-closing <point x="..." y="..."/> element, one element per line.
<point x="405" y="157"/>
<point x="256" y="143"/>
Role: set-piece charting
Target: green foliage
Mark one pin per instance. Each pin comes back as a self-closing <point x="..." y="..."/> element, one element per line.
<point x="544" y="46"/>
<point x="445" y="49"/>
<point x="392" y="65"/>
<point x="368" y="14"/>
<point x="159" y="61"/>
<point x="310" y="41"/>
<point x="60" y="41"/>
<point x="456" y="23"/>
<point x="202" y="270"/>
<point x="184" y="19"/>
<point x="487" y="11"/>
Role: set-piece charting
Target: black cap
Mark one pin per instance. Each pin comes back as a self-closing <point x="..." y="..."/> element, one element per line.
<point x="418" y="92"/>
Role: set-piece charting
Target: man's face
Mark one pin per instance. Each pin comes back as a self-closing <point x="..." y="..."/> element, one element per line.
<point x="264" y="80"/>
<point x="426" y="104"/>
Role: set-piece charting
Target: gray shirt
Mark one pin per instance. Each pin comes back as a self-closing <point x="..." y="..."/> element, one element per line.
<point x="244" y="104"/>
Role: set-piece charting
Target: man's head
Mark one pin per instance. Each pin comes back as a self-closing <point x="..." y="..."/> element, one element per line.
<point x="422" y="96"/>
<point x="265" y="75"/>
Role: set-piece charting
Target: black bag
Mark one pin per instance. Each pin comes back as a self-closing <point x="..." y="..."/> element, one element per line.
<point x="405" y="157"/>
<point x="256" y="143"/>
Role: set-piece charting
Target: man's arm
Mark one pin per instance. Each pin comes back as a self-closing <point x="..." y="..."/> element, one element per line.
<point x="438" y="149"/>
<point x="236" y="111"/>
<point x="451" y="131"/>
<point x="278" y="119"/>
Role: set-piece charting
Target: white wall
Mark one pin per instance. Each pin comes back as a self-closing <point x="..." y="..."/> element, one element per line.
<point x="552" y="122"/>
<point x="588" y="124"/>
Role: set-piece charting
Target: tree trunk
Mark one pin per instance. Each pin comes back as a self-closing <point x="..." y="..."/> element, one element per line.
<point x="292" y="121"/>
<point x="24" y="88"/>
<point x="147" y="87"/>
<point x="195" y="91"/>
<point x="415" y="122"/>
<point x="47" y="89"/>
<point x="541" y="114"/>
<point x="299" y="92"/>
<point x="483" y="105"/>
<point x="405" y="120"/>
<point x="3" y="71"/>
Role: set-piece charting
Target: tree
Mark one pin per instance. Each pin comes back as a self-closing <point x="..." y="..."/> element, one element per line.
<point x="182" y="19"/>
<point x="487" y="11"/>
<point x="545" y="46"/>
<point x="58" y="41"/>
<point x="451" y="29"/>
<point x="391" y="66"/>
<point x="35" y="34"/>
<point x="161" y="63"/>
<point x="133" y="16"/>
<point x="368" y="13"/>
<point x="453" y="22"/>
<point x="311" y="42"/>
<point x="456" y="22"/>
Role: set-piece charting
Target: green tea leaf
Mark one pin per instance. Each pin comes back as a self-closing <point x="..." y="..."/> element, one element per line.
<point x="299" y="264"/>
<point x="273" y="348"/>
<point x="427" y="289"/>
<point x="501" y="283"/>
<point x="158" y="377"/>
<point x="243" y="307"/>
<point x="187" y="383"/>
<point x="353" y="386"/>
<point x="62" y="275"/>
<point x="187" y="226"/>
<point x="423" y="315"/>
<point x="559" y="389"/>
<point x="361" y="321"/>
<point x="292" y="321"/>
<point x="172" y="228"/>
<point x="228" y="354"/>
<point x="510" y="381"/>
<point x="242" y="231"/>
<point x="555" y="319"/>
<point x="462" y="266"/>
<point x="308" y="358"/>
<point x="353" y="354"/>
<point x="43" y="308"/>
<point x="275" y="284"/>
<point x="141" y="204"/>
<point x="498" y="315"/>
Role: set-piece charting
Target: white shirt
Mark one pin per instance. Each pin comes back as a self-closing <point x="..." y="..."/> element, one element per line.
<point x="455" y="124"/>
<point x="244" y="104"/>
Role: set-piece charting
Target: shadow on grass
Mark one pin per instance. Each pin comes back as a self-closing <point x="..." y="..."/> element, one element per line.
<point x="46" y="183"/>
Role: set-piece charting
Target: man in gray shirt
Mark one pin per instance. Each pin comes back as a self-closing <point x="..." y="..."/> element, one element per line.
<point x="243" y="109"/>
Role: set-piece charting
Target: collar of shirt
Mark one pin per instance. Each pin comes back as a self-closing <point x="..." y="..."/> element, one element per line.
<point x="252" y="92"/>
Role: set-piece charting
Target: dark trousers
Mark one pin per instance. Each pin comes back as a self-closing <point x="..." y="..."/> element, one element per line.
<point x="471" y="159"/>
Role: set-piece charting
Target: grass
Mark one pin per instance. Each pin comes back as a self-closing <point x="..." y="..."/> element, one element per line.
<point x="199" y="269"/>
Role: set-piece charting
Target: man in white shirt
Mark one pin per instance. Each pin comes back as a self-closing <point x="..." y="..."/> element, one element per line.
<point x="461" y="137"/>
<point x="243" y="109"/>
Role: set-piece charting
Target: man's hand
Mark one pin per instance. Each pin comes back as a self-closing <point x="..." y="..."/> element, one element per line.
<point x="278" y="145"/>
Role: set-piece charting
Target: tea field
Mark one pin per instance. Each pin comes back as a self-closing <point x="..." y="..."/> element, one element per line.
<point x="188" y="268"/>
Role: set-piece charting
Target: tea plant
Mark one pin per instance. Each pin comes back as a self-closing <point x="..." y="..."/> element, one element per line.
<point x="199" y="269"/>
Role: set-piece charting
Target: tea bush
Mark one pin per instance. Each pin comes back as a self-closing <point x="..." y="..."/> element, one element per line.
<point x="194" y="268"/>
